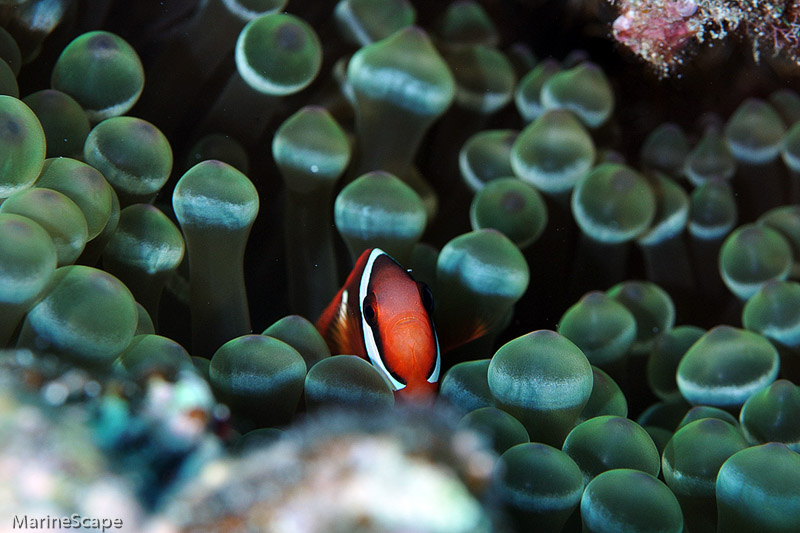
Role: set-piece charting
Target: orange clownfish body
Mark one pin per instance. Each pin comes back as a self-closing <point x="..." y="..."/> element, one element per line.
<point x="383" y="315"/>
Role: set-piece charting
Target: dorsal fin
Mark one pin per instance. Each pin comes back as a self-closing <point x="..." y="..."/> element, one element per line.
<point x="340" y="322"/>
<point x="340" y="328"/>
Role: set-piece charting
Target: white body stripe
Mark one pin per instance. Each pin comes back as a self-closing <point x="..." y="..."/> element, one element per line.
<point x="343" y="306"/>
<point x="369" y="337"/>
<point x="434" y="377"/>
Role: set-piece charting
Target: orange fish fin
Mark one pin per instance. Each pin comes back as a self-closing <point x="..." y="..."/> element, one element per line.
<point x="466" y="334"/>
<point x="476" y="329"/>
<point x="340" y="329"/>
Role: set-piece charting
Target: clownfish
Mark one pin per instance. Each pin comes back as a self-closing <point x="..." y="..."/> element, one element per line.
<point x="384" y="316"/>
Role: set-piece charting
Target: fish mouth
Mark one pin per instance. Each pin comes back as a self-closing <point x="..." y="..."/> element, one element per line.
<point x="412" y="331"/>
<point x="403" y="322"/>
<point x="411" y="320"/>
<point x="412" y="336"/>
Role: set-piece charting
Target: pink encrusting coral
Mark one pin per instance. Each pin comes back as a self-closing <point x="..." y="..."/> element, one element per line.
<point x="660" y="31"/>
<point x="656" y="30"/>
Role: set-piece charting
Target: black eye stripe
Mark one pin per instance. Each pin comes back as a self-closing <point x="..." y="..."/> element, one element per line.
<point x="426" y="296"/>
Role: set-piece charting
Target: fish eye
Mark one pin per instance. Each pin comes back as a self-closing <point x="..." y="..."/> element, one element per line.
<point x="370" y="315"/>
<point x="426" y="296"/>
